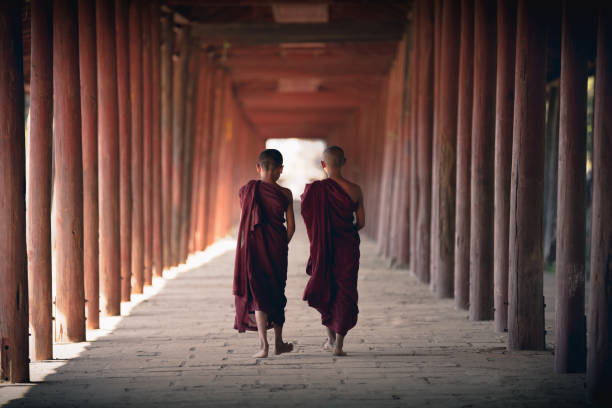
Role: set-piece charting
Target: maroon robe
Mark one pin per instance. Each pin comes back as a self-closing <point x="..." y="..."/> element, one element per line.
<point x="260" y="271"/>
<point x="334" y="254"/>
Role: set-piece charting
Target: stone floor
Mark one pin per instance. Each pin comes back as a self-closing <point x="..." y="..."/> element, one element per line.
<point x="177" y="348"/>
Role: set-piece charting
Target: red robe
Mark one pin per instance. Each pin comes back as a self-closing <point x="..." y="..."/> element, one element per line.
<point x="260" y="271"/>
<point x="334" y="254"/>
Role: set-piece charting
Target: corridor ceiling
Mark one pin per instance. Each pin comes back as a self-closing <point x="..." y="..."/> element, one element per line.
<point x="299" y="69"/>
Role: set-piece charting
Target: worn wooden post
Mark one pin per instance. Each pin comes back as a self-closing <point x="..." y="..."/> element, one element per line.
<point x="599" y="356"/>
<point x="425" y="101"/>
<point x="38" y="185"/>
<point x="483" y="143"/>
<point x="446" y="148"/>
<point x="178" y="135"/>
<point x="68" y="189"/>
<point x="135" y="37"/>
<point x="147" y="145"/>
<point x="14" y="365"/>
<point x="525" y="285"/>
<point x="158" y="263"/>
<point x="166" y="135"/>
<point x="464" y="153"/>
<point x="187" y="162"/>
<point x="108" y="154"/>
<point x="570" y="321"/>
<point x="414" y="190"/>
<point x="504" y="111"/>
<point x="89" y="132"/>
<point x="125" y="145"/>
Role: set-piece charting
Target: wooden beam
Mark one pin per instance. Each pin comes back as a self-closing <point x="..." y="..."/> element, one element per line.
<point x="14" y="364"/>
<point x="166" y="135"/>
<point x="38" y="185"/>
<point x="147" y="144"/>
<point x="261" y="33"/>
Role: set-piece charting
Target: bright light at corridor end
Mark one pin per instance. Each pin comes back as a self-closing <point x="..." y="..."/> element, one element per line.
<point x="302" y="160"/>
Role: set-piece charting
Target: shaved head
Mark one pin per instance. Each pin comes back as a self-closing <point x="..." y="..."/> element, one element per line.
<point x="333" y="156"/>
<point x="270" y="159"/>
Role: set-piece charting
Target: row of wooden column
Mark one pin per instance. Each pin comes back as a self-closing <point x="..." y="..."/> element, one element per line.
<point x="474" y="172"/>
<point x="149" y="147"/>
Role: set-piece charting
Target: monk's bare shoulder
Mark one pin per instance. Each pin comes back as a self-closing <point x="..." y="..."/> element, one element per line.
<point x="354" y="191"/>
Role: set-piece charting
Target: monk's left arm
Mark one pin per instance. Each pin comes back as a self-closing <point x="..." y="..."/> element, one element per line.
<point x="360" y="212"/>
<point x="290" y="221"/>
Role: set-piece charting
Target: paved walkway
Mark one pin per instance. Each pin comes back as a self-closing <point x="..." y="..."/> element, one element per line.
<point x="177" y="348"/>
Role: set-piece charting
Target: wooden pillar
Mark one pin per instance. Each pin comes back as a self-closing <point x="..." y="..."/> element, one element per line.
<point x="483" y="144"/>
<point x="135" y="37"/>
<point x="68" y="188"/>
<point x="435" y="185"/>
<point x="38" y="186"/>
<point x="108" y="154"/>
<point x="570" y="320"/>
<point x="464" y="153"/>
<point x="125" y="145"/>
<point x="166" y="136"/>
<point x="425" y="101"/>
<point x="147" y="144"/>
<point x="446" y="148"/>
<point x="525" y="285"/>
<point x="89" y="132"/>
<point x="158" y="262"/>
<point x="178" y="135"/>
<point x="187" y="162"/>
<point x="504" y="111"/>
<point x="414" y="191"/>
<point x="14" y="365"/>
<point x="599" y="356"/>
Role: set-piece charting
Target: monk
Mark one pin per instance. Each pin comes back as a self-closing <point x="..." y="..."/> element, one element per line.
<point x="333" y="212"/>
<point x="260" y="270"/>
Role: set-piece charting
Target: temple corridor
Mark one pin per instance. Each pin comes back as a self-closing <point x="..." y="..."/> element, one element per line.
<point x="178" y="348"/>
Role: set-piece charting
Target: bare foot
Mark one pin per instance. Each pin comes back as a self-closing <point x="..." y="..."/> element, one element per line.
<point x="283" y="348"/>
<point x="263" y="353"/>
<point x="339" y="353"/>
<point x="328" y="345"/>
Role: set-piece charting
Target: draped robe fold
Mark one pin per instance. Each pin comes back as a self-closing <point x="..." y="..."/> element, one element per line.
<point x="260" y="269"/>
<point x="334" y="254"/>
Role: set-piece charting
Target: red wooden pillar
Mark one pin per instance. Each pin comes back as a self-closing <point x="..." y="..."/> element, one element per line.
<point x="166" y="136"/>
<point x="135" y="47"/>
<point x="38" y="187"/>
<point x="216" y="116"/>
<point x="464" y="152"/>
<point x="525" y="285"/>
<point x="68" y="189"/>
<point x="125" y="145"/>
<point x="435" y="184"/>
<point x="504" y="111"/>
<point x="425" y="101"/>
<point x="483" y="144"/>
<point x="446" y="148"/>
<point x="108" y="154"/>
<point x="570" y="324"/>
<point x="158" y="262"/>
<point x="14" y="365"/>
<point x="187" y="162"/>
<point x="89" y="131"/>
<point x="599" y="357"/>
<point x="178" y="135"/>
<point x="414" y="94"/>
<point x="147" y="144"/>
